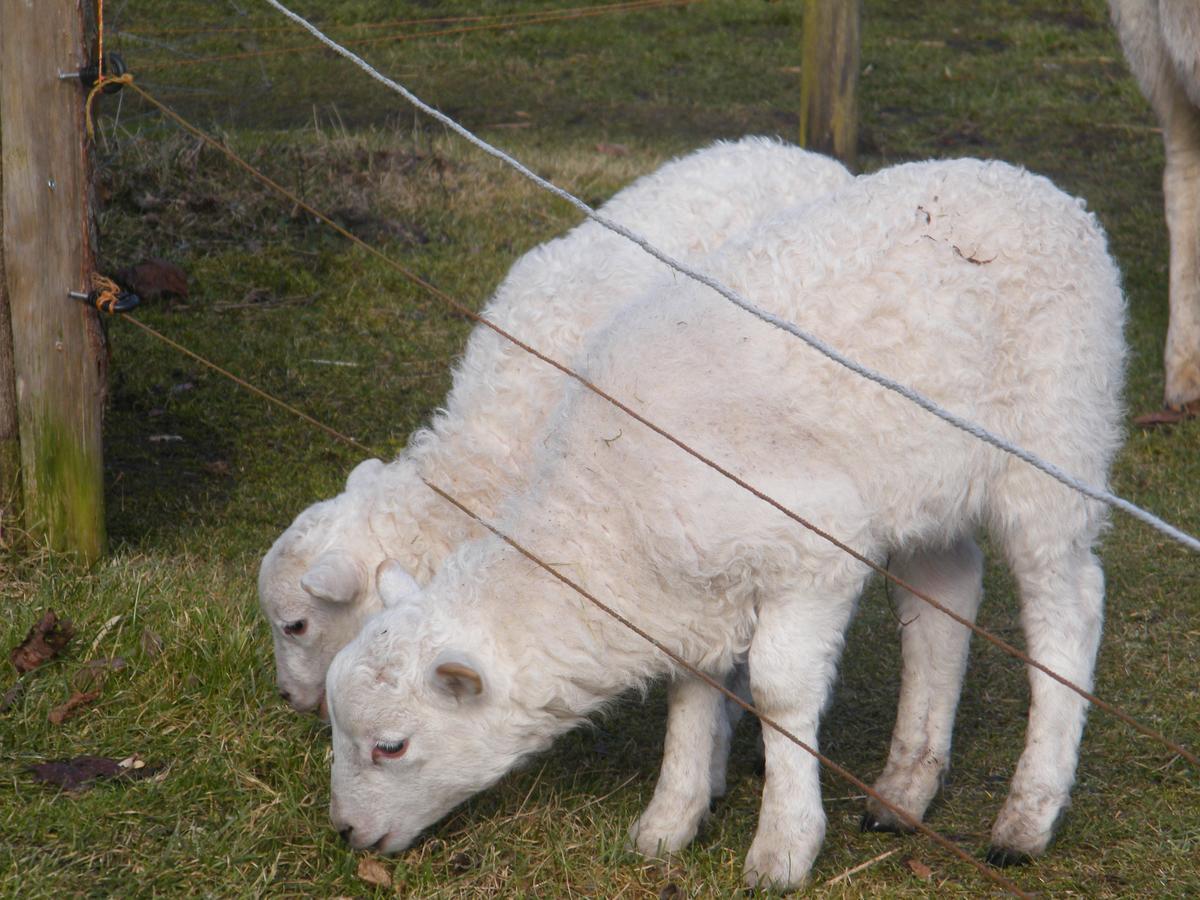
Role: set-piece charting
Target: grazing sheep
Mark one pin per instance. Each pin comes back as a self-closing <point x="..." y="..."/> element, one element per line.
<point x="1161" y="39"/>
<point x="316" y="584"/>
<point x="979" y="284"/>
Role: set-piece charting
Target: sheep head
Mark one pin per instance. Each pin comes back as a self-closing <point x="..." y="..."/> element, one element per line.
<point x="423" y="718"/>
<point x="317" y="585"/>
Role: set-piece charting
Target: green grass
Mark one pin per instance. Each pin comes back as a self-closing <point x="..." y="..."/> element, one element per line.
<point x="240" y="808"/>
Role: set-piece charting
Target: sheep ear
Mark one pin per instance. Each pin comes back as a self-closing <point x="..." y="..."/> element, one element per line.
<point x="455" y="677"/>
<point x="364" y="474"/>
<point x="335" y="576"/>
<point x="396" y="586"/>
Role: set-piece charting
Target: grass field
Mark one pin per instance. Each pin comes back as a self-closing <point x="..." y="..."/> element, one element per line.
<point x="239" y="806"/>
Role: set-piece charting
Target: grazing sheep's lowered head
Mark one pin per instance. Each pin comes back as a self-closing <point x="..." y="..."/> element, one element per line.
<point x="422" y="720"/>
<point x="317" y="585"/>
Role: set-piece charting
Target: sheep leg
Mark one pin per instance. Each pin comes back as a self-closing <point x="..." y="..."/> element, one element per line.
<point x="793" y="661"/>
<point x="696" y="743"/>
<point x="1062" y="599"/>
<point x="934" y="649"/>
<point x="739" y="683"/>
<point x="1181" y="187"/>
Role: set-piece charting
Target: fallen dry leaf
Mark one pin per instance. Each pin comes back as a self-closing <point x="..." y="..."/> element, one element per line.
<point x="44" y="642"/>
<point x="612" y="149"/>
<point x="258" y="295"/>
<point x="64" y="711"/>
<point x="919" y="868"/>
<point x="152" y="644"/>
<point x="91" y="675"/>
<point x="103" y="633"/>
<point x="373" y="871"/>
<point x="154" y="279"/>
<point x="11" y="696"/>
<point x="148" y="203"/>
<point x="79" y="773"/>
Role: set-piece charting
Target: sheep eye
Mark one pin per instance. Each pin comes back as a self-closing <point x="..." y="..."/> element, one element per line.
<point x="295" y="628"/>
<point x="388" y="750"/>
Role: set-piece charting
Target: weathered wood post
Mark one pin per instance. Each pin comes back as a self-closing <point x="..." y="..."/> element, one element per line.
<point x="829" y="78"/>
<point x="10" y="445"/>
<point x="55" y="357"/>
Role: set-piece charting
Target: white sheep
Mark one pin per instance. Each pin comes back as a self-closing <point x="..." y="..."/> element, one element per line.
<point x="1161" y="39"/>
<point x="316" y="584"/>
<point x="979" y="284"/>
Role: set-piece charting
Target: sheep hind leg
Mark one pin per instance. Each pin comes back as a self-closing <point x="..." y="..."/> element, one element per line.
<point x="1181" y="188"/>
<point x="739" y="683"/>
<point x="695" y="747"/>
<point x="793" y="662"/>
<point x="934" y="649"/>
<point x="1062" y="599"/>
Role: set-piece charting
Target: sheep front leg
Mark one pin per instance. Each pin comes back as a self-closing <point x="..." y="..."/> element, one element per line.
<point x="793" y="661"/>
<point x="695" y="746"/>
<point x="1181" y="187"/>
<point x="935" y="649"/>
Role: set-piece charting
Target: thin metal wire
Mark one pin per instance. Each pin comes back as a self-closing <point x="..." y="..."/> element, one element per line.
<point x="742" y="303"/>
<point x="465" y="311"/>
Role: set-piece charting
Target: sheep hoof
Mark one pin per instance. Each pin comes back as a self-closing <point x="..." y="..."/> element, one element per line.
<point x="870" y="822"/>
<point x="1003" y="857"/>
<point x="879" y="818"/>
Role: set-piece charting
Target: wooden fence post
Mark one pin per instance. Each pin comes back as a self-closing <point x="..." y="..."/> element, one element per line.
<point x="10" y="445"/>
<point x="55" y="357"/>
<point x="829" y="78"/>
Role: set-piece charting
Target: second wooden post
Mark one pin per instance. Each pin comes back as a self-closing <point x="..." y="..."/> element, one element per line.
<point x="829" y="79"/>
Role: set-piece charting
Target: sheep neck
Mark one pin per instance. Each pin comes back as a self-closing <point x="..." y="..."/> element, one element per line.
<point x="565" y="657"/>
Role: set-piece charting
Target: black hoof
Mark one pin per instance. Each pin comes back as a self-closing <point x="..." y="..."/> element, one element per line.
<point x="1002" y="857"/>
<point x="869" y="822"/>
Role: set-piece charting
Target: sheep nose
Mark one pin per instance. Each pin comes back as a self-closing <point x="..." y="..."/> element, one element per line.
<point x="346" y="832"/>
<point x="287" y="698"/>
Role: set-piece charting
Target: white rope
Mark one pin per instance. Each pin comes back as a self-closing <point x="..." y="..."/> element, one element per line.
<point x="736" y="299"/>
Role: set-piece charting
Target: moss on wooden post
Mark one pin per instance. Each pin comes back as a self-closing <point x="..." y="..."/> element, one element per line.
<point x="829" y="79"/>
